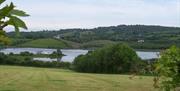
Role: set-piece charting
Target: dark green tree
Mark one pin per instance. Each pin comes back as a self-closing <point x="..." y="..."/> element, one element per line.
<point x="117" y="58"/>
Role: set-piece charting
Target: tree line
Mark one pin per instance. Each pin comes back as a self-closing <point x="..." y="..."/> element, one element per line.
<point x="26" y="59"/>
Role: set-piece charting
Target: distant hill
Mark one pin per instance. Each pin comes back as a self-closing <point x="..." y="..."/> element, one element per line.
<point x="137" y="36"/>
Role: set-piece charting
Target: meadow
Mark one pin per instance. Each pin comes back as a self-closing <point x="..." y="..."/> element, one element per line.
<point x="44" y="43"/>
<point x="16" y="78"/>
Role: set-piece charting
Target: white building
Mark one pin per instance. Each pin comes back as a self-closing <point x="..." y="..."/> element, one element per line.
<point x="140" y="41"/>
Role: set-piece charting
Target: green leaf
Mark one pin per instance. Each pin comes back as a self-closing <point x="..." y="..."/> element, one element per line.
<point x="17" y="22"/>
<point x="4" y="39"/>
<point x="8" y="17"/>
<point x="18" y="13"/>
<point x="1" y="1"/>
<point x="3" y="12"/>
<point x="6" y="10"/>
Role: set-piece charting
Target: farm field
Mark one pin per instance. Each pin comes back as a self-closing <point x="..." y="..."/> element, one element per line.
<point x="16" y="78"/>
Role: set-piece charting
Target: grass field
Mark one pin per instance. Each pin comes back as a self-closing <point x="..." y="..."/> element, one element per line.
<point x="97" y="43"/>
<point x="14" y="78"/>
<point x="44" y="43"/>
<point x="71" y="44"/>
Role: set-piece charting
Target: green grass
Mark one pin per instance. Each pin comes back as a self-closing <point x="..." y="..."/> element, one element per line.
<point x="72" y="44"/>
<point x="53" y="43"/>
<point x="97" y="43"/>
<point x="14" y="78"/>
<point x="44" y="43"/>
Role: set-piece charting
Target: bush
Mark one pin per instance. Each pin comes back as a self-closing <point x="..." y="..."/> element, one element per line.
<point x="11" y="54"/>
<point x="168" y="70"/>
<point x="26" y="54"/>
<point x="117" y="58"/>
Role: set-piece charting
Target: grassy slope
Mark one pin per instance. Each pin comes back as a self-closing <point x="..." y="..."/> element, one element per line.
<point x="52" y="43"/>
<point x="71" y="44"/>
<point x="14" y="78"/>
<point x="97" y="43"/>
<point x="90" y="44"/>
<point x="44" y="43"/>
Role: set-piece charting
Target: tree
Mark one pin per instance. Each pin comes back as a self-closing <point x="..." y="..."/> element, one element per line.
<point x="57" y="54"/>
<point x="117" y="58"/>
<point x="9" y="16"/>
<point x="168" y="70"/>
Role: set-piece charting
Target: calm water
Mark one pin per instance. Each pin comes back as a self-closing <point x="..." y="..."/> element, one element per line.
<point x="70" y="54"/>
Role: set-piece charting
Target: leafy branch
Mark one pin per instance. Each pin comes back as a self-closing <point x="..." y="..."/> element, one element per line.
<point x="9" y="16"/>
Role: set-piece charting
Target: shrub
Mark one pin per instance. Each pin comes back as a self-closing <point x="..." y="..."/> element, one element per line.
<point x="26" y="54"/>
<point x="117" y="58"/>
<point x="168" y="70"/>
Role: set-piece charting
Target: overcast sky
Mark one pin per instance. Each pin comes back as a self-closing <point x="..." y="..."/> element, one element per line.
<point x="57" y="14"/>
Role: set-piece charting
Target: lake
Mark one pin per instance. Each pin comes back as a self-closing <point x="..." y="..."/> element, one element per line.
<point x="70" y="54"/>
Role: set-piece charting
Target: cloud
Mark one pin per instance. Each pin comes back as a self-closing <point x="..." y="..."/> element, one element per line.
<point x="55" y="14"/>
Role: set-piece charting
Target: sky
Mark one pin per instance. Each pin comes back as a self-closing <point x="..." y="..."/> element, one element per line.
<point x="61" y="14"/>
